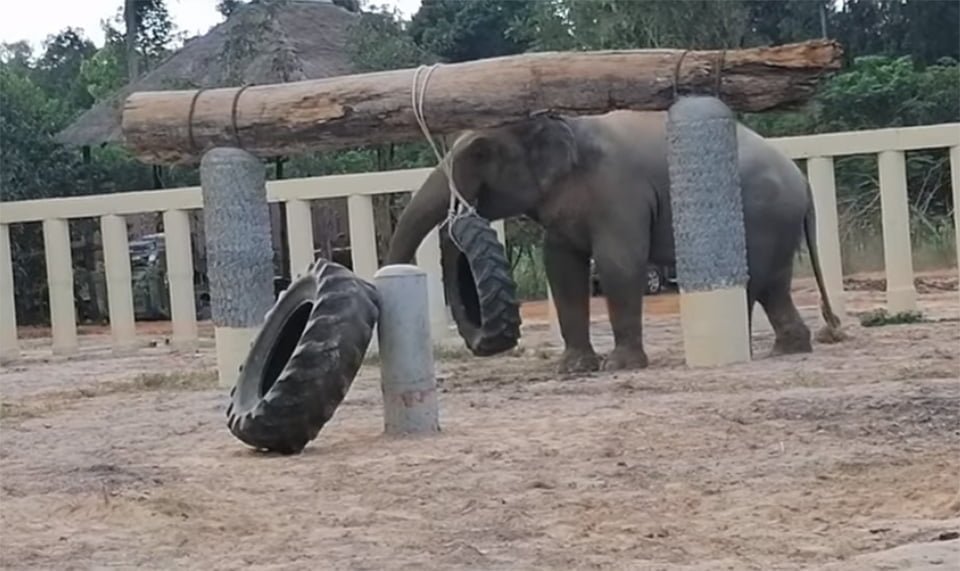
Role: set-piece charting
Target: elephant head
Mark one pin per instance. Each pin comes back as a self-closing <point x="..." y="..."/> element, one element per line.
<point x="502" y="172"/>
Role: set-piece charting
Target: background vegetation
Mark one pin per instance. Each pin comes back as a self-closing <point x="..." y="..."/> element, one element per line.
<point x="901" y="69"/>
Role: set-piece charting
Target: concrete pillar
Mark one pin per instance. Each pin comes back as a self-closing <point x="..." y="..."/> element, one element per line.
<point x="708" y="231"/>
<point x="428" y="259"/>
<point x="9" y="345"/>
<point x="823" y="184"/>
<point x="239" y="252"/>
<point x="116" y="259"/>
<point x="407" y="378"/>
<point x="955" y="181"/>
<point x="299" y="236"/>
<point x="183" y="309"/>
<point x="895" y="212"/>
<point x="63" y="312"/>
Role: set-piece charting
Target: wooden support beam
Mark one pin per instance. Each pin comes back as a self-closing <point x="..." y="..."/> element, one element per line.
<point x="176" y="127"/>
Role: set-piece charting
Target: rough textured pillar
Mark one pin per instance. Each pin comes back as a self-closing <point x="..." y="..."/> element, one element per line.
<point x="9" y="345"/>
<point x="239" y="252"/>
<point x="407" y="377"/>
<point x="708" y="231"/>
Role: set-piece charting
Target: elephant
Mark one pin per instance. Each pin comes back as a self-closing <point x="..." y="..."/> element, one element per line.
<point x="599" y="187"/>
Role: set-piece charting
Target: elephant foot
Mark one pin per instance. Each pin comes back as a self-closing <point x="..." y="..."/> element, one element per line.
<point x="579" y="361"/>
<point x="789" y="345"/>
<point x="625" y="358"/>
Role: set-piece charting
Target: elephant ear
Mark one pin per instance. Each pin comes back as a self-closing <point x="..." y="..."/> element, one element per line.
<point x="551" y="148"/>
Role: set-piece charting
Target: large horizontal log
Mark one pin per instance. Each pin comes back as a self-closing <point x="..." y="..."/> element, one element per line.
<point x="290" y="118"/>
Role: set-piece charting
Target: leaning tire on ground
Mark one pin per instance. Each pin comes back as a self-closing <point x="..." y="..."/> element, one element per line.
<point x="478" y="286"/>
<point x="304" y="358"/>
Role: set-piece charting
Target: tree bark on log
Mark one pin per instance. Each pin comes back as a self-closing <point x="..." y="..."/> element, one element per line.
<point x="176" y="127"/>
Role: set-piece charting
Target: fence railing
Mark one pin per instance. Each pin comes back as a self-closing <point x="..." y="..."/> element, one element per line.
<point x="818" y="151"/>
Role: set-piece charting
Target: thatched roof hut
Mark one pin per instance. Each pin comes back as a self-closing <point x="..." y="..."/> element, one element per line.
<point x="265" y="41"/>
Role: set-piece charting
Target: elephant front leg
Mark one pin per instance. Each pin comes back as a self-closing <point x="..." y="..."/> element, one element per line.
<point x="624" y="284"/>
<point x="568" y="273"/>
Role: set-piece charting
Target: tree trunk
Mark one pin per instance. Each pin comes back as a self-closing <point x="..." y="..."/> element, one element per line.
<point x="322" y="114"/>
<point x="130" y="20"/>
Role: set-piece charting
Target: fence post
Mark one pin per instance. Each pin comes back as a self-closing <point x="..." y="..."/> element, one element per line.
<point x="407" y="377"/>
<point x="9" y="344"/>
<point x="708" y="231"/>
<point x="895" y="212"/>
<point x="63" y="312"/>
<point x="820" y="173"/>
<point x="183" y="308"/>
<point x="428" y="259"/>
<point x="299" y="236"/>
<point x="955" y="182"/>
<point x="239" y="252"/>
<point x="116" y="259"/>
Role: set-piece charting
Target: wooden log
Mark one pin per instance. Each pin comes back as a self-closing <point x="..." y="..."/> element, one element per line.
<point x="171" y="127"/>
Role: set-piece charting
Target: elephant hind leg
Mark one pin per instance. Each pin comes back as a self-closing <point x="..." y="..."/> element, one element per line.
<point x="792" y="334"/>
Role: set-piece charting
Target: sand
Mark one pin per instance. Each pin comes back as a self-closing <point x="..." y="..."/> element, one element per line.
<point x="846" y="458"/>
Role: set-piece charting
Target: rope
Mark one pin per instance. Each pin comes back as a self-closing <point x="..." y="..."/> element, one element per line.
<point x="233" y="115"/>
<point x="193" y="107"/>
<point x="459" y="207"/>
<point x="676" y="74"/>
<point x="718" y="73"/>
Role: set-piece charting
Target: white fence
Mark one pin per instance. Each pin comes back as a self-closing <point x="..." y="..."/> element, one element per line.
<point x="819" y="152"/>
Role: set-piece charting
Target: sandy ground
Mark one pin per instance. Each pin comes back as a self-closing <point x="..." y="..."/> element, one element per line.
<point x="847" y="458"/>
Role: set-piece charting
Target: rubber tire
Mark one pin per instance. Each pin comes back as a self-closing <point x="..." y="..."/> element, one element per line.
<point x="307" y="352"/>
<point x="654" y="276"/>
<point x="478" y="286"/>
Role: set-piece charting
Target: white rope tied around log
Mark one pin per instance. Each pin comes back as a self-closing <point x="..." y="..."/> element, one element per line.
<point x="459" y="207"/>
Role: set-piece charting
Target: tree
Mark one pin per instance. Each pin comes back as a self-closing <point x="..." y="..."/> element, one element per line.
<point x="463" y="30"/>
<point x="228" y="7"/>
<point x="58" y="70"/>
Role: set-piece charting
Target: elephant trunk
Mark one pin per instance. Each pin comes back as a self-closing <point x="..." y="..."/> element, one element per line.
<point x="427" y="209"/>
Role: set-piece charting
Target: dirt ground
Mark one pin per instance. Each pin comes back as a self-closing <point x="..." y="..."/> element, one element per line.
<point x="846" y="458"/>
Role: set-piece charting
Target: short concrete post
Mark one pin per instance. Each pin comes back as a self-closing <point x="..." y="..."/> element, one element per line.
<point x="406" y="352"/>
<point x="708" y="231"/>
<point x="239" y="252"/>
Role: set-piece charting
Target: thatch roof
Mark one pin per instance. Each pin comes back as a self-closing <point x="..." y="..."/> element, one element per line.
<point x="265" y="41"/>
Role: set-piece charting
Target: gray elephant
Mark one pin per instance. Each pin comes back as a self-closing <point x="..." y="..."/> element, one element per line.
<point x="599" y="187"/>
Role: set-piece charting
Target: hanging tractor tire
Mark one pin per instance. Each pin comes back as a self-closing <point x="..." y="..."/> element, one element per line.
<point x="304" y="358"/>
<point x="478" y="286"/>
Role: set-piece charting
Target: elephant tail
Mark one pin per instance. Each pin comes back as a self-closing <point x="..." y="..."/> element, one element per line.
<point x="831" y="332"/>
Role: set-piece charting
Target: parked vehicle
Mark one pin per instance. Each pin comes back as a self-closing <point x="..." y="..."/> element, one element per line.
<point x="659" y="279"/>
<point x="151" y="286"/>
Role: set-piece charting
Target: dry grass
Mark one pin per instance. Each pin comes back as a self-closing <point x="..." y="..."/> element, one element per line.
<point x="56" y="401"/>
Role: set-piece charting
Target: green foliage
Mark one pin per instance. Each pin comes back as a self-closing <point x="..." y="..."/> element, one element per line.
<point x="464" y="30"/>
<point x="880" y="317"/>
<point x="103" y="73"/>
<point x="378" y="41"/>
<point x="890" y="92"/>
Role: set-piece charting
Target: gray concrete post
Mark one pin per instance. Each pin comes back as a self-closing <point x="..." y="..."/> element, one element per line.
<point x="708" y="230"/>
<point x="239" y="252"/>
<point x="407" y="377"/>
